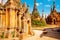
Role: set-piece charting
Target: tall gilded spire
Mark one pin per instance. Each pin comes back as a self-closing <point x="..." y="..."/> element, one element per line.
<point x="34" y="1"/>
<point x="35" y="13"/>
<point x="35" y="7"/>
<point x="54" y="5"/>
<point x="51" y="8"/>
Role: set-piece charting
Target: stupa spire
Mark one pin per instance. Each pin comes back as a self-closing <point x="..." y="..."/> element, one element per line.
<point x="35" y="12"/>
<point x="43" y="13"/>
<point x="35" y="7"/>
<point x="24" y="5"/>
<point x="51" y="8"/>
<point x="54" y="5"/>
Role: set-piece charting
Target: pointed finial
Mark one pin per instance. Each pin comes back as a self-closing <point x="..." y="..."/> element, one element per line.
<point x="24" y="5"/>
<point x="34" y="1"/>
<point x="35" y="6"/>
<point x="27" y="8"/>
<point x="51" y="8"/>
<point x="54" y="5"/>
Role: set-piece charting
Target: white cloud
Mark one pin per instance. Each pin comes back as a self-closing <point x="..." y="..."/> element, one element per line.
<point x="47" y="5"/>
<point x="37" y="4"/>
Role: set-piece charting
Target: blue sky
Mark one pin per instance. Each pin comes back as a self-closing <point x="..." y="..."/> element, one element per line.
<point x="41" y="4"/>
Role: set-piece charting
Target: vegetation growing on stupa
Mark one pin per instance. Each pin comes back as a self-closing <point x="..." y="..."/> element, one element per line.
<point x="38" y="23"/>
<point x="35" y="15"/>
<point x="36" y="19"/>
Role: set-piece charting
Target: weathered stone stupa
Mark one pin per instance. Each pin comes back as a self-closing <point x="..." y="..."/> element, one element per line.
<point x="54" y="17"/>
<point x="14" y="19"/>
<point x="35" y="13"/>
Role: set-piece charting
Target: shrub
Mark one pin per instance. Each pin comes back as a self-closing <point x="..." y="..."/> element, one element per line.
<point x="38" y="23"/>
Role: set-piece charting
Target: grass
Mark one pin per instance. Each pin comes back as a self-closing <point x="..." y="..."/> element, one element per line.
<point x="43" y="27"/>
<point x="36" y="23"/>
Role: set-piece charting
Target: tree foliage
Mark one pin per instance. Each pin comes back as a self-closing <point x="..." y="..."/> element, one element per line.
<point x="38" y="23"/>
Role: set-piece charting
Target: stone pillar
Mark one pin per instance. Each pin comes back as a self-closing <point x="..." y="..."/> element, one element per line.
<point x="7" y="18"/>
<point x="1" y="18"/>
<point x="30" y="28"/>
<point x="16" y="17"/>
<point x="7" y="24"/>
<point x="19" y="20"/>
<point x="30" y="32"/>
<point x="4" y="19"/>
<point x="25" y="28"/>
<point x="12" y="18"/>
<point x="16" y="23"/>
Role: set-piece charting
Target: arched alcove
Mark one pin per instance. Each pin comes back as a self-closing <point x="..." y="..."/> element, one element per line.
<point x="54" y="21"/>
<point x="28" y="22"/>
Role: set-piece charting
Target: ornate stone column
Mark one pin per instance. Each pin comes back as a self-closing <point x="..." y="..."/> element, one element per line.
<point x="29" y="27"/>
<point x="16" y="17"/>
<point x="20" y="20"/>
<point x="12" y="18"/>
<point x="4" y="19"/>
<point x="1" y="18"/>
<point x="7" y="18"/>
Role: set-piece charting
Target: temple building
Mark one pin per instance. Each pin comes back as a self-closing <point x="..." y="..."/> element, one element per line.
<point x="54" y="17"/>
<point x="35" y="13"/>
<point x="15" y="18"/>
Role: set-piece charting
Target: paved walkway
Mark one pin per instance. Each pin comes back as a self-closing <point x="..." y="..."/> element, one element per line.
<point x="37" y="36"/>
<point x="51" y="35"/>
